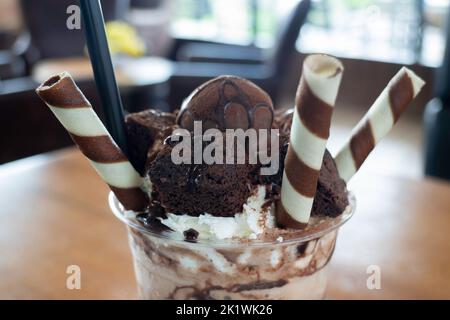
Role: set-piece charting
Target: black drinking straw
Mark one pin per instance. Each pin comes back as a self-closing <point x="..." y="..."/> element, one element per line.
<point x="94" y="26"/>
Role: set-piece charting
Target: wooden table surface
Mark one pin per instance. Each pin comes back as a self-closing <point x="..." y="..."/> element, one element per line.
<point x="53" y="214"/>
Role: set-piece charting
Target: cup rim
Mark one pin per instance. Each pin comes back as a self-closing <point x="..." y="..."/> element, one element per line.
<point x="173" y="237"/>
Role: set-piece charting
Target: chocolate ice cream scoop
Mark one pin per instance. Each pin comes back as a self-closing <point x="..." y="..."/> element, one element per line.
<point x="227" y="102"/>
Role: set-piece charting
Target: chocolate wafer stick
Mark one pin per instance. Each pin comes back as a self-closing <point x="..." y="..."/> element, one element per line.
<point x="75" y="113"/>
<point x="378" y="121"/>
<point x="316" y="95"/>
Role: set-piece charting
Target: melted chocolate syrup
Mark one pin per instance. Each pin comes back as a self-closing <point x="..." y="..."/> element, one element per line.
<point x="193" y="177"/>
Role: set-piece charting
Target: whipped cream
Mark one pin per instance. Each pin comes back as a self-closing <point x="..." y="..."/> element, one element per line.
<point x="251" y="222"/>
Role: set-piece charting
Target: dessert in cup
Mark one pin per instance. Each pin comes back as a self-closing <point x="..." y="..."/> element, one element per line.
<point x="229" y="198"/>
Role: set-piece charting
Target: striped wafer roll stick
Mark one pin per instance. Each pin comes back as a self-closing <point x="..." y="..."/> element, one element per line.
<point x="378" y="121"/>
<point x="75" y="113"/>
<point x="314" y="103"/>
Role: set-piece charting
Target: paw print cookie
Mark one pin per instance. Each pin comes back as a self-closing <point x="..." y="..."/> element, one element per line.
<point x="227" y="102"/>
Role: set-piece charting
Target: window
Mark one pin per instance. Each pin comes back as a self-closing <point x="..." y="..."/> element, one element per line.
<point x="230" y="21"/>
<point x="403" y="31"/>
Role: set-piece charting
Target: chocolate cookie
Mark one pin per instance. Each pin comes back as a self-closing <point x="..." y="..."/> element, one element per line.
<point x="227" y="102"/>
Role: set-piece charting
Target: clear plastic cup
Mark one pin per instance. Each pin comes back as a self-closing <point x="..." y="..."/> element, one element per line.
<point x="168" y="267"/>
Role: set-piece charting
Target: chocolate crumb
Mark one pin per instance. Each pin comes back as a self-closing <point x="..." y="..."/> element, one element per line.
<point x="301" y="248"/>
<point x="190" y="235"/>
<point x="143" y="218"/>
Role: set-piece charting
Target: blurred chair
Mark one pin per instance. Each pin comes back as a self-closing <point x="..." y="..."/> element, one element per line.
<point x="45" y="20"/>
<point x="57" y="48"/>
<point x="437" y="121"/>
<point x="12" y="54"/>
<point x="152" y="20"/>
<point x="27" y="126"/>
<point x="146" y="4"/>
<point x="198" y="62"/>
<point x="12" y="65"/>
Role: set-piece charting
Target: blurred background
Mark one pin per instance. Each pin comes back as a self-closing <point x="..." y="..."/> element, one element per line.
<point x="163" y="49"/>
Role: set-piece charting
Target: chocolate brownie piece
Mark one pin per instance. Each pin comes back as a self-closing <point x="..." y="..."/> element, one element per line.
<point x="193" y="189"/>
<point x="283" y="121"/>
<point x="331" y="197"/>
<point x="146" y="132"/>
<point x="275" y="179"/>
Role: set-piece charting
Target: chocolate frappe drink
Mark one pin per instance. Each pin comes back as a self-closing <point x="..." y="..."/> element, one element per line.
<point x="249" y="227"/>
<point x="281" y="265"/>
<point x="225" y="213"/>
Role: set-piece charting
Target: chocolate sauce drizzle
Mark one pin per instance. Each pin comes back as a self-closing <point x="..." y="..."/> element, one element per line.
<point x="193" y="177"/>
<point x="205" y="294"/>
